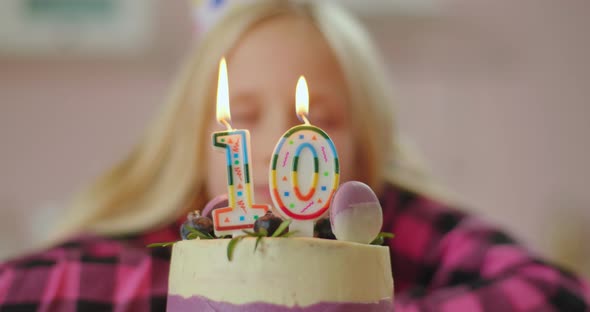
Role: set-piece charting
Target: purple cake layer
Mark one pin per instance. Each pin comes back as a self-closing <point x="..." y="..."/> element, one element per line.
<point x="201" y="304"/>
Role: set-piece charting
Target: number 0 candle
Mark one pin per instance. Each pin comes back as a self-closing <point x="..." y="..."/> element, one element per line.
<point x="304" y="169"/>
<point x="241" y="213"/>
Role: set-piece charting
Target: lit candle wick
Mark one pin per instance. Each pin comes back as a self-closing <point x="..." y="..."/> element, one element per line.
<point x="226" y="124"/>
<point x="303" y="118"/>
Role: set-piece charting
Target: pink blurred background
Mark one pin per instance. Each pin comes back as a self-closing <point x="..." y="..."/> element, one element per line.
<point x="493" y="93"/>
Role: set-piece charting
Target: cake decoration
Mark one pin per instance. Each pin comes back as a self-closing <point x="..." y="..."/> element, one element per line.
<point x="241" y="212"/>
<point x="356" y="214"/>
<point x="304" y="170"/>
<point x="267" y="226"/>
<point x="323" y="229"/>
<point x="218" y="201"/>
<point x="197" y="222"/>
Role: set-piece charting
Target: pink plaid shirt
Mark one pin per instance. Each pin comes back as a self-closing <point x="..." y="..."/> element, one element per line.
<point x="442" y="259"/>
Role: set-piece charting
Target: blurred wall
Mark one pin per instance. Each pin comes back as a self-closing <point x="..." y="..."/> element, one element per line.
<point x="63" y="120"/>
<point x="494" y="94"/>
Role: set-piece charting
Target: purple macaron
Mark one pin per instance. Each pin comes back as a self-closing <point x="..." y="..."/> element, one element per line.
<point x="219" y="201"/>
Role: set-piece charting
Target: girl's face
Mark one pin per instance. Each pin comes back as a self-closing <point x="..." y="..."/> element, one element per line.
<point x="263" y="69"/>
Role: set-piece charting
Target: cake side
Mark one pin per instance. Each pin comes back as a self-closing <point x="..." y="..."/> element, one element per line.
<point x="201" y="304"/>
<point x="294" y="272"/>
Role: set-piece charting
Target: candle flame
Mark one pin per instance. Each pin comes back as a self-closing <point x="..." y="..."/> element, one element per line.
<point x="223" y="114"/>
<point x="302" y="99"/>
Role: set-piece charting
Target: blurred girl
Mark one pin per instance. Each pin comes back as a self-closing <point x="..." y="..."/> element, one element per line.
<point x="442" y="259"/>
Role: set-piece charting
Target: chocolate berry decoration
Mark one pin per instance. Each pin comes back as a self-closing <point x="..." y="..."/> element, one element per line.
<point x="270" y="222"/>
<point x="323" y="229"/>
<point x="197" y="222"/>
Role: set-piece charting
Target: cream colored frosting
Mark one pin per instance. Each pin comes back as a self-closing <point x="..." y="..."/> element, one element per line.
<point x="284" y="271"/>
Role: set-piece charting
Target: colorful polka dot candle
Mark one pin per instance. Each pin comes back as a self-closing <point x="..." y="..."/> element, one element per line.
<point x="241" y="212"/>
<point x="304" y="170"/>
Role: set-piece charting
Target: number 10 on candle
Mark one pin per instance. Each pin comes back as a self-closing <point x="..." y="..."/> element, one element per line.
<point x="241" y="212"/>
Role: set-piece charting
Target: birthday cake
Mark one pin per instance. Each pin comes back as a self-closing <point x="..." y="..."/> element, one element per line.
<point x="260" y="273"/>
<point x="237" y="255"/>
<point x="284" y="274"/>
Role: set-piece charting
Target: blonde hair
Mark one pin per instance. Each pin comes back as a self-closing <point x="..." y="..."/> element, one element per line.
<point x="165" y="172"/>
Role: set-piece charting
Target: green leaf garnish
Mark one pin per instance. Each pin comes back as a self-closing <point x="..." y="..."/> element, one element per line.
<point x="166" y="244"/>
<point x="232" y="245"/>
<point x="258" y="240"/>
<point x="387" y="235"/>
<point x="380" y="239"/>
<point x="284" y="225"/>
<point x="261" y="232"/>
<point x="250" y="233"/>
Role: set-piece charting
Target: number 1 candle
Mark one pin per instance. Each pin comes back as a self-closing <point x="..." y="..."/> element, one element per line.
<point x="304" y="170"/>
<point x="241" y="213"/>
